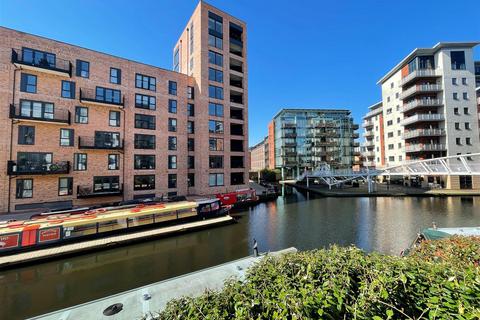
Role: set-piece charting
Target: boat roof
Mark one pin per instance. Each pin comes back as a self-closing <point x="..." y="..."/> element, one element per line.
<point x="205" y="201"/>
<point x="440" y="233"/>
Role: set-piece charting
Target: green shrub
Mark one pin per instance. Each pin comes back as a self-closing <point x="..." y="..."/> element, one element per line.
<point x="340" y="283"/>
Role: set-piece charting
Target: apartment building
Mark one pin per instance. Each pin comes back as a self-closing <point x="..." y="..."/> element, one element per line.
<point x="81" y="127"/>
<point x="259" y="157"/>
<point x="308" y="138"/>
<point x="373" y="150"/>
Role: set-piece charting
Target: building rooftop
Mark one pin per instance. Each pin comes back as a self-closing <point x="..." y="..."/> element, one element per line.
<point x="283" y="110"/>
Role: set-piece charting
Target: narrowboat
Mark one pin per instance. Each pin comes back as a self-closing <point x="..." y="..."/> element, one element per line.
<point x="56" y="228"/>
<point x="239" y="198"/>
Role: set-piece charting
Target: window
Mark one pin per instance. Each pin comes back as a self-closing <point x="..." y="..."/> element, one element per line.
<point x="68" y="89"/>
<point x="172" y="181"/>
<point x="465" y="111"/>
<point x="465" y="96"/>
<point x="468" y="141"/>
<point x="237" y="162"/>
<point x="81" y="115"/>
<point x="190" y="109"/>
<point x="454" y="81"/>
<point x="214" y="41"/>
<point x="457" y="125"/>
<point x="455" y="111"/>
<point x="145" y="102"/>
<point x="215" y="144"/>
<point x="191" y="38"/>
<point x="39" y="58"/>
<point x="398" y="120"/>
<point x="215" y="58"/>
<point x="144" y="182"/>
<point x="399" y="133"/>
<point x="191" y="162"/>
<point x="457" y="60"/>
<point x="215" y="162"/>
<point x="215" y="109"/>
<point x="172" y="162"/>
<point x="215" y="92"/>
<point x="36" y="109"/>
<point x="236" y="178"/>
<point x="172" y="88"/>
<point x="397" y="95"/>
<point x="172" y="143"/>
<point x="145" y="82"/>
<point x="191" y="144"/>
<point x="389" y="122"/>
<point x="390" y="146"/>
<point x="455" y="96"/>
<point x="391" y="85"/>
<point x="115" y="76"/>
<point x="114" y="119"/>
<point x="66" y="137"/>
<point x="467" y="126"/>
<point x="80" y="161"/>
<point x="26" y="135"/>
<point x="28" y="83"/>
<point x="108" y="95"/>
<point x="391" y="158"/>
<point x="172" y="106"/>
<point x="236" y="145"/>
<point x="190" y="92"/>
<point x="24" y="188"/>
<point x="172" y="125"/>
<point x="33" y="160"/>
<point x="113" y="161"/>
<point x="397" y="108"/>
<point x="215" y="126"/>
<point x="65" y="186"/>
<point x="176" y="60"/>
<point x="191" y="180"/>
<point x="464" y="81"/>
<point x="215" y="75"/>
<point x="143" y="121"/>
<point x="83" y="69"/>
<point x="190" y="127"/>
<point x="107" y="139"/>
<point x="144" y="141"/>
<point x="390" y="134"/>
<point x="215" y="179"/>
<point x="144" y="162"/>
<point x="388" y="99"/>
<point x="215" y="23"/>
<point x="457" y="140"/>
<point x="109" y="183"/>
<point x="389" y="110"/>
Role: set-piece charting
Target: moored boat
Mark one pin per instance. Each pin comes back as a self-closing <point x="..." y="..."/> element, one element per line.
<point x="239" y="198"/>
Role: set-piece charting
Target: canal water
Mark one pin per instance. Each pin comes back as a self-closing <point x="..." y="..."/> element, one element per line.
<point x="386" y="225"/>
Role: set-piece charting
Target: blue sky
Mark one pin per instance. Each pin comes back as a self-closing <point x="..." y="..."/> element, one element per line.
<point x="308" y="53"/>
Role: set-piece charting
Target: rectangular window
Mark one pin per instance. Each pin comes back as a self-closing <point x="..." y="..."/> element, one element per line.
<point x="172" y="143"/>
<point x="215" y="92"/>
<point x="39" y="58"/>
<point x="465" y="96"/>
<point x="454" y="81"/>
<point x="105" y="184"/>
<point x="389" y="122"/>
<point x="467" y="125"/>
<point x="80" y="161"/>
<point x="457" y="60"/>
<point x="65" y="186"/>
<point x="215" y="144"/>
<point x="190" y="127"/>
<point x="391" y="158"/>
<point x="145" y="82"/>
<point x="236" y="178"/>
<point x="455" y="96"/>
<point x="215" y="109"/>
<point x="468" y="141"/>
<point x="108" y="95"/>
<point x="36" y="109"/>
<point x="81" y="115"/>
<point x="115" y="76"/>
<point x="215" y="23"/>
<point x="28" y="83"/>
<point x="114" y="119"/>
<point x="215" y="126"/>
<point x="172" y="125"/>
<point x="83" y="69"/>
<point x="464" y="81"/>
<point x="144" y="162"/>
<point x="215" y="179"/>
<point x="191" y="180"/>
<point x="215" y="41"/>
<point x="26" y="135"/>
<point x="215" y="58"/>
<point x="113" y="161"/>
<point x="458" y="142"/>
<point x="145" y="102"/>
<point x="172" y="106"/>
<point x="144" y="182"/>
<point x="465" y="111"/>
<point x="191" y="162"/>
<point x="390" y="146"/>
<point x="215" y="75"/>
<point x="172" y="181"/>
<point x="24" y="188"/>
<point x="457" y="125"/>
<point x="66" y="137"/>
<point x="455" y="111"/>
<point x="190" y="109"/>
<point x="172" y="88"/>
<point x="68" y="89"/>
<point x="216" y="162"/>
<point x="191" y="144"/>
<point x="143" y="121"/>
<point x="176" y="60"/>
<point x="144" y="141"/>
<point x="172" y="162"/>
<point x="190" y="93"/>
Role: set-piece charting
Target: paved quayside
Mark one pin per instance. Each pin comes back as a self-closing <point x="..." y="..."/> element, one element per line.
<point x="154" y="297"/>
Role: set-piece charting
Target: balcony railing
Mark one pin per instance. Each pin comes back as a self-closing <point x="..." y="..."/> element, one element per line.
<point x="368" y="134"/>
<point x="420" y="89"/>
<point x="422" y="73"/>
<point x="89" y="192"/>
<point x="369" y="163"/>
<point x="368" y="144"/>
<point x="423" y="117"/>
<point x="425" y="147"/>
<point x="37" y="168"/>
<point x="423" y="133"/>
<point x="52" y="64"/>
<point x="422" y="103"/>
<point x="369" y="154"/>
<point x="59" y="116"/>
<point x="92" y="143"/>
<point x="367" y="123"/>
<point x="90" y="96"/>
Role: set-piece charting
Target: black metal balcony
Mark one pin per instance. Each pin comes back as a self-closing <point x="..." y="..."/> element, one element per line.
<point x="88" y="192"/>
<point x="59" y="116"/>
<point x="92" y="143"/>
<point x="15" y="168"/>
<point x="91" y="96"/>
<point x="48" y="63"/>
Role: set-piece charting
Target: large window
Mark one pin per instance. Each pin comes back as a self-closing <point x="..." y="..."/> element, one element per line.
<point x="215" y="41"/>
<point x="172" y="88"/>
<point x="24" y="188"/>
<point x="237" y="162"/>
<point x="81" y="115"/>
<point x="145" y="82"/>
<point x="113" y="161"/>
<point x="65" y="186"/>
<point x="172" y="125"/>
<point x="172" y="143"/>
<point x="191" y="180"/>
<point x="31" y="160"/>
<point x="172" y="106"/>
<point x="172" y="180"/>
<point x="145" y="102"/>
<point x="191" y="162"/>
<point x="105" y="184"/>
<point x="190" y="127"/>
<point x="215" y="162"/>
<point x="36" y="109"/>
<point x="215" y="179"/>
<point x="143" y="121"/>
<point x="215" y="126"/>
<point x="144" y="141"/>
<point x="144" y="162"/>
<point x="107" y="139"/>
<point x="215" y="109"/>
<point x="144" y="182"/>
<point x="39" y="58"/>
<point x="83" y="69"/>
<point x="458" y="60"/>
<point x="115" y="76"/>
<point x="236" y="178"/>
<point x="66" y="137"/>
<point x="215" y="58"/>
<point x="108" y="95"/>
<point x="190" y="93"/>
<point x="28" y="83"/>
<point x="215" y="92"/>
<point x="236" y="145"/>
<point x="80" y="161"/>
<point x="172" y="162"/>
<point x="26" y="135"/>
<point x="68" y="89"/>
<point x="190" y="109"/>
<point x="215" y="75"/>
<point x="176" y="60"/>
<point x="114" y="118"/>
<point x="191" y="144"/>
<point x="215" y="23"/>
<point x="215" y="144"/>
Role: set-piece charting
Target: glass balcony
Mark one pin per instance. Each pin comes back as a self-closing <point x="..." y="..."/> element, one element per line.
<point x="109" y="97"/>
<point x="422" y="103"/>
<point x="423" y="88"/>
<point x="57" y="116"/>
<point x="97" y="143"/>
<point x="15" y="168"/>
<point x="89" y="192"/>
<point x="41" y="61"/>
<point x="422" y="117"/>
<point x="423" y="133"/>
<point x="417" y="74"/>
<point x="425" y="147"/>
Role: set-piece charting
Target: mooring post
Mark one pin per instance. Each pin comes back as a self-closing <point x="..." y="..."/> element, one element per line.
<point x="255" y="248"/>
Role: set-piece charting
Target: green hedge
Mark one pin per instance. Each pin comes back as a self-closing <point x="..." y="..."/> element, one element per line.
<point x="341" y="283"/>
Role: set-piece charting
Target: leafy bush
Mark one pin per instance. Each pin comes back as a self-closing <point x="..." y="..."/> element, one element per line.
<point x="340" y="283"/>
